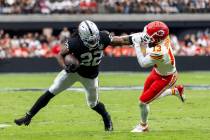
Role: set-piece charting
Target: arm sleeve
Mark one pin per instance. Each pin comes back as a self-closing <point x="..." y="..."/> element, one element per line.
<point x="156" y="56"/>
<point x="70" y="44"/>
<point x="144" y="61"/>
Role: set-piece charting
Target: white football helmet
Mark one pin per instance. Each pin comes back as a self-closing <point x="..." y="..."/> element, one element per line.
<point x="89" y="34"/>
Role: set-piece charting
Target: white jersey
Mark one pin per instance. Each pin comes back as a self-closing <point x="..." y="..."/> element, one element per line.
<point x="160" y="56"/>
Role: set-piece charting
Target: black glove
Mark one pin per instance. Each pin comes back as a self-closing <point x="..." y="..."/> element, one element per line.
<point x="71" y="68"/>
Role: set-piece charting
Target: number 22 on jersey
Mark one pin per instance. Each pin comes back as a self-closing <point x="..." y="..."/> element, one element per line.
<point x="91" y="59"/>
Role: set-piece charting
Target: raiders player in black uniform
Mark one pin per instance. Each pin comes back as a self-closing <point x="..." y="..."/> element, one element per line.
<point x="87" y="46"/>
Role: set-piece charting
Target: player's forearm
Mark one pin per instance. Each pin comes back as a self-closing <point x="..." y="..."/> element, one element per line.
<point x="60" y="59"/>
<point x="140" y="56"/>
<point x="127" y="40"/>
<point x="121" y="40"/>
<point x="143" y="61"/>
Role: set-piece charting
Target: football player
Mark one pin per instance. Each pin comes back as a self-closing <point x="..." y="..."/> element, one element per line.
<point x="87" y="45"/>
<point x="163" y="76"/>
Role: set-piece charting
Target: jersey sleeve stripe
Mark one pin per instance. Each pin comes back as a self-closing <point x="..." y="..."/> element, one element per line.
<point x="156" y="57"/>
<point x="171" y="56"/>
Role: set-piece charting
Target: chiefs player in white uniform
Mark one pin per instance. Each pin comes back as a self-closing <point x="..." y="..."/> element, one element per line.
<point x="163" y="76"/>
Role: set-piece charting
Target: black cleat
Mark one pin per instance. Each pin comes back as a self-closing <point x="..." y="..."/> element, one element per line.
<point x="24" y="120"/>
<point x="108" y="126"/>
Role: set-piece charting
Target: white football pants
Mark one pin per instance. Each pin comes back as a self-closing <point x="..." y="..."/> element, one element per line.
<point x="65" y="80"/>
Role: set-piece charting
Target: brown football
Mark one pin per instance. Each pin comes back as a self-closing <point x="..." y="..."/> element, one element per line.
<point x="71" y="59"/>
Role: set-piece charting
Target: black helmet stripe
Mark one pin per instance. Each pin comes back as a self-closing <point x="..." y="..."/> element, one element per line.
<point x="89" y="28"/>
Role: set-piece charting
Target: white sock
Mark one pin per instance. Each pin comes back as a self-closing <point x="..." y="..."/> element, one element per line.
<point x="144" y="112"/>
<point x="168" y="92"/>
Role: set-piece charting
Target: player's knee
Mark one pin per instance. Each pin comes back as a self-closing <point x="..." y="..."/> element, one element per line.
<point x="142" y="99"/>
<point x="92" y="97"/>
<point x="142" y="104"/>
<point x="54" y="91"/>
<point x="91" y="104"/>
<point x="147" y="96"/>
<point x="56" y="88"/>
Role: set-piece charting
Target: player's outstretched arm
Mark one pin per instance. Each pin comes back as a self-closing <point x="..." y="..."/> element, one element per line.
<point x="144" y="61"/>
<point x="121" y="40"/>
<point x="126" y="40"/>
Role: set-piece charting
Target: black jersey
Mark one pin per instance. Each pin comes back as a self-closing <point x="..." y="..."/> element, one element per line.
<point x="89" y="59"/>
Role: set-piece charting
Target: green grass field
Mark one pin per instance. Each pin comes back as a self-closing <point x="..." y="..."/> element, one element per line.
<point x="67" y="116"/>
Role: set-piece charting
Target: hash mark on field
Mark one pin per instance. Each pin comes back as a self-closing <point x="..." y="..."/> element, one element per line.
<point x="108" y="88"/>
<point x="4" y="125"/>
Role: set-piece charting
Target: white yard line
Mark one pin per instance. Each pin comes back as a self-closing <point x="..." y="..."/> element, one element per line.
<point x="4" y="125"/>
<point x="80" y="89"/>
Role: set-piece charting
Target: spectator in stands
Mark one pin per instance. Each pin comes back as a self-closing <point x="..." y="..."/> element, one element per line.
<point x="189" y="47"/>
<point x="65" y="33"/>
<point x="175" y="44"/>
<point x="110" y="6"/>
<point x="88" y="6"/>
<point x="169" y="6"/>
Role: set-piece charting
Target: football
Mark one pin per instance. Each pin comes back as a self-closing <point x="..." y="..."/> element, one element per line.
<point x="71" y="59"/>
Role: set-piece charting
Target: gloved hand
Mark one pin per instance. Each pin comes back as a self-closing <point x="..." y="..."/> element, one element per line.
<point x="137" y="38"/>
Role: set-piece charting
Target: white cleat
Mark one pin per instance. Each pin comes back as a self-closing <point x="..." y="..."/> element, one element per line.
<point x="140" y="128"/>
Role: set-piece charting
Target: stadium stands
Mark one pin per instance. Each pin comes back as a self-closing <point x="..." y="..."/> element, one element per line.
<point x="100" y="6"/>
<point x="46" y="44"/>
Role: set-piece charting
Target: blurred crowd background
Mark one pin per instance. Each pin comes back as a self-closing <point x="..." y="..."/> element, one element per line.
<point x="103" y="6"/>
<point x="48" y="44"/>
